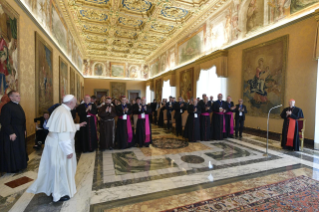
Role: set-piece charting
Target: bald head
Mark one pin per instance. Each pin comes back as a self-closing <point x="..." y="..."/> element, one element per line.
<point x="228" y="99"/>
<point x="292" y="103"/>
<point x="240" y="101"/>
<point x="220" y="97"/>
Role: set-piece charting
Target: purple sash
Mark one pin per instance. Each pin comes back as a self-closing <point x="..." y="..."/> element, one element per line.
<point x="205" y="114"/>
<point x="129" y="128"/>
<point x="231" y="123"/>
<point x="147" y="128"/>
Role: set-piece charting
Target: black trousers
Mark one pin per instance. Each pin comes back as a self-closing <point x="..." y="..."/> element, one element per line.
<point x="239" y="126"/>
<point x="155" y="117"/>
<point x="41" y="135"/>
<point x="169" y="121"/>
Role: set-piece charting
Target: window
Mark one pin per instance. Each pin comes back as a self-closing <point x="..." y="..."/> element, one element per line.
<point x="148" y="94"/>
<point x="210" y="84"/>
<point x="168" y="90"/>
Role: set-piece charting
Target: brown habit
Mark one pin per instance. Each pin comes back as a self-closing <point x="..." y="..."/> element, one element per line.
<point x="107" y="127"/>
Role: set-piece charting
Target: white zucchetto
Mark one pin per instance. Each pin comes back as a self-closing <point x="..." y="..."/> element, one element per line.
<point x="68" y="98"/>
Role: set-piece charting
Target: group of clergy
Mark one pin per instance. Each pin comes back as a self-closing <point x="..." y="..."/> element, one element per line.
<point x="199" y="125"/>
<point x="120" y="134"/>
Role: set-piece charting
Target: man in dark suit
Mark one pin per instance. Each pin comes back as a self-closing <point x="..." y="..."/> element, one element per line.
<point x="153" y="107"/>
<point x="240" y="118"/>
<point x="42" y="129"/>
<point x="179" y="108"/>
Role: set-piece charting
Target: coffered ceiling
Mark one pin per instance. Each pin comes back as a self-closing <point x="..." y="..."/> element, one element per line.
<point x="131" y="30"/>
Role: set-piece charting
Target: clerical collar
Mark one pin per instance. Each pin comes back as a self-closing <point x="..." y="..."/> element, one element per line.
<point x="15" y="102"/>
<point x="67" y="107"/>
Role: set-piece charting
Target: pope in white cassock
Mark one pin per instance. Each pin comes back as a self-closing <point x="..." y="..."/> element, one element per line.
<point x="57" y="169"/>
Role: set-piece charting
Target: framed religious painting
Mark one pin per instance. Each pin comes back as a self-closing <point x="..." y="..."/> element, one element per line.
<point x="9" y="26"/>
<point x="186" y="88"/>
<point x="158" y="89"/>
<point x="118" y="89"/>
<point x="263" y="73"/>
<point x="43" y="75"/>
<point x="64" y="76"/>
<point x="72" y="81"/>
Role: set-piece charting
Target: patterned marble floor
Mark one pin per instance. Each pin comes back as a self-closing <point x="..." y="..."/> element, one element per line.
<point x="169" y="174"/>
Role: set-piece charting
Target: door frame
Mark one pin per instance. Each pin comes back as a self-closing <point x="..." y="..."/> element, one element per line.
<point x="133" y="91"/>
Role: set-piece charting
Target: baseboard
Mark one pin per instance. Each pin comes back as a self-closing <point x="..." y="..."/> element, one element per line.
<point x="309" y="143"/>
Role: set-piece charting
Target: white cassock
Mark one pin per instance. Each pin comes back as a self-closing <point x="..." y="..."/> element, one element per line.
<point x="56" y="174"/>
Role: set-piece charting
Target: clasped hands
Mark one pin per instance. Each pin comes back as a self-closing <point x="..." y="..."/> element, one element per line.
<point x="288" y="113"/>
<point x="89" y="108"/>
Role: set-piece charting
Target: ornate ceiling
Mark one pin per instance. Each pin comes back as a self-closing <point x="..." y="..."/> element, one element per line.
<point x="133" y="30"/>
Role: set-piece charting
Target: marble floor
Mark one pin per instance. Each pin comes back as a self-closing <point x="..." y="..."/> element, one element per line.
<point x="169" y="174"/>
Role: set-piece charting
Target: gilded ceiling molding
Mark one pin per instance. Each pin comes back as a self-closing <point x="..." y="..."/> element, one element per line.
<point x="93" y="16"/>
<point x="94" y="29"/>
<point x="126" y="34"/>
<point x="162" y="29"/>
<point x="123" y="43"/>
<point x="316" y="44"/>
<point x="193" y="3"/>
<point x="127" y="22"/>
<point x="137" y="7"/>
<point x="105" y="4"/>
<point x="175" y="14"/>
<point x="120" y="50"/>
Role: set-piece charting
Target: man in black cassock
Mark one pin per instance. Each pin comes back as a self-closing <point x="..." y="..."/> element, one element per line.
<point x="88" y="134"/>
<point x="218" y="118"/>
<point x="143" y="126"/>
<point x="240" y="117"/>
<point x="169" y="108"/>
<point x="211" y="100"/>
<point x="161" y="116"/>
<point x="205" y="127"/>
<point x="124" y="133"/>
<point x="179" y="108"/>
<point x="290" y="133"/>
<point x="229" y="118"/>
<point x="13" y="151"/>
<point x="107" y="113"/>
<point x="192" y="128"/>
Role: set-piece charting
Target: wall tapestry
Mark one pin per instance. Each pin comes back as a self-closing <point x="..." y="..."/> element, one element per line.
<point x="264" y="68"/>
<point x="186" y="84"/>
<point x="72" y="81"/>
<point x="63" y="78"/>
<point x="118" y="89"/>
<point x="44" y="75"/>
<point x="9" y="42"/>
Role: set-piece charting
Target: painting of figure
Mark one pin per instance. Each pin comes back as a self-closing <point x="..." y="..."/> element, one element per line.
<point x="87" y="67"/>
<point x="297" y="5"/>
<point x="146" y="71"/>
<point x="154" y="68"/>
<point x="158" y="90"/>
<point x="186" y="84"/>
<point x="254" y="15"/>
<point x="163" y="63"/>
<point x="264" y="69"/>
<point x="63" y="78"/>
<point x="43" y="12"/>
<point x="118" y="89"/>
<point x="9" y="66"/>
<point x="117" y="70"/>
<point x="191" y="47"/>
<point x="72" y="81"/>
<point x="172" y="58"/>
<point x="58" y="29"/>
<point x="44" y="76"/>
<point x="98" y="69"/>
<point x="133" y="71"/>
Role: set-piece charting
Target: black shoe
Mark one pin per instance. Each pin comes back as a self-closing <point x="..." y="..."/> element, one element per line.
<point x="65" y="198"/>
<point x="111" y="148"/>
<point x="236" y="136"/>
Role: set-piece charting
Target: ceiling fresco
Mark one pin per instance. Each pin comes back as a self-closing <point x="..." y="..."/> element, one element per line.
<point x="154" y="36"/>
<point x="132" y="28"/>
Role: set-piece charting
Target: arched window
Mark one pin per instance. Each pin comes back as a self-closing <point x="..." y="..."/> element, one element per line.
<point x="210" y="84"/>
<point x="168" y="90"/>
<point x="149" y="94"/>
